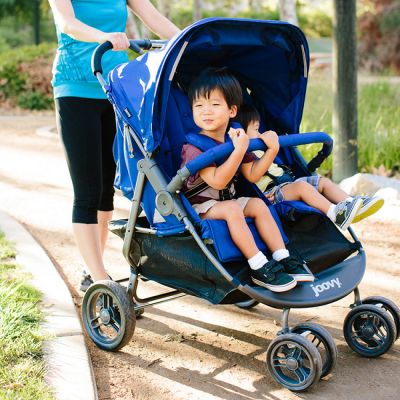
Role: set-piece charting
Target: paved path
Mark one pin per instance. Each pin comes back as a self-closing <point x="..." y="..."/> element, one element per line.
<point x="188" y="349"/>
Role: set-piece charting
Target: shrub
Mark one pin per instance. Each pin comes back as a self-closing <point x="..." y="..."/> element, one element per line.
<point x="379" y="36"/>
<point x="25" y="75"/>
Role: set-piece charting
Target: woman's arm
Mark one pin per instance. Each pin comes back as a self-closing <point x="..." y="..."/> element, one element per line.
<point x="70" y="25"/>
<point x="153" y="19"/>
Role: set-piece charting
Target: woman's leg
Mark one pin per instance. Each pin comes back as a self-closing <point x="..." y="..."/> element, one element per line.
<point x="79" y="124"/>
<point x="305" y="192"/>
<point x="103" y="218"/>
<point x="106" y="204"/>
<point x="231" y="212"/>
<point x="331" y="191"/>
<point x="265" y="223"/>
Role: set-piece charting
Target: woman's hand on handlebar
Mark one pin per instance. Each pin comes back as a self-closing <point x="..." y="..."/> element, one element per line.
<point x="119" y="40"/>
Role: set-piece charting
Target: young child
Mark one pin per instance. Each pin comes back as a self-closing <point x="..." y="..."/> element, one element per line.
<point x="215" y="96"/>
<point x="316" y="191"/>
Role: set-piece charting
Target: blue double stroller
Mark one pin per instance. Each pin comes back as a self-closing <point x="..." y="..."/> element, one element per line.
<point x="165" y="240"/>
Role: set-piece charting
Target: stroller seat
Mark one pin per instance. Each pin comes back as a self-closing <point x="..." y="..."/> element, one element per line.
<point x="179" y="122"/>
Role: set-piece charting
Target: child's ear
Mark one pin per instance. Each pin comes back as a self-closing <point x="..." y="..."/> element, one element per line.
<point x="233" y="112"/>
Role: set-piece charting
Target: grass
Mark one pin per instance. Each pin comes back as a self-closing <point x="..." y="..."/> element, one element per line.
<point x="378" y="122"/>
<point x="21" y="357"/>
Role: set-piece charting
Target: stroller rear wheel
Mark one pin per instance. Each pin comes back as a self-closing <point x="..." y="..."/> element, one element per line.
<point x="323" y="341"/>
<point x="294" y="362"/>
<point x="369" y="330"/>
<point x="108" y="315"/>
<point x="387" y="305"/>
<point x="247" y="304"/>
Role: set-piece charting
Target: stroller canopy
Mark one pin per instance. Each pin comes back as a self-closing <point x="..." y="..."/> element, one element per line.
<point x="270" y="58"/>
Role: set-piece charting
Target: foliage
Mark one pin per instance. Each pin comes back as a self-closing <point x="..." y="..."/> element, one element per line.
<point x="25" y="75"/>
<point x="379" y="36"/>
<point x="378" y="122"/>
<point x="21" y="356"/>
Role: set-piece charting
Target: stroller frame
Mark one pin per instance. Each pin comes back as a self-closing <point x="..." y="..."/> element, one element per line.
<point x="119" y="306"/>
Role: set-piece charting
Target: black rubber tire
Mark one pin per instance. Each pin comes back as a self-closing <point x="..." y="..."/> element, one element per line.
<point x="367" y="319"/>
<point x="247" y="304"/>
<point x="139" y="313"/>
<point x="329" y="354"/>
<point x="308" y="361"/>
<point x="389" y="306"/>
<point x="118" y="316"/>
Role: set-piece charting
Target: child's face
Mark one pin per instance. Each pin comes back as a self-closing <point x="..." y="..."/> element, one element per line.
<point x="253" y="129"/>
<point x="212" y="114"/>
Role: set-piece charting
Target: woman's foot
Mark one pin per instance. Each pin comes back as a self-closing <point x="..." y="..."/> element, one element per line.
<point x="86" y="281"/>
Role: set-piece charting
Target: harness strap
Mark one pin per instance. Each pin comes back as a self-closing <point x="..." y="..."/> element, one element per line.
<point x="205" y="143"/>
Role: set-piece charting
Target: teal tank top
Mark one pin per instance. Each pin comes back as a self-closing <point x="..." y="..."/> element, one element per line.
<point x="72" y="74"/>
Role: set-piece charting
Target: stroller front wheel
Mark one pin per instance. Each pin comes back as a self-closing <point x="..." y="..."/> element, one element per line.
<point x="294" y="362"/>
<point x="323" y="341"/>
<point x="108" y="315"/>
<point x="387" y="305"/>
<point x="369" y="330"/>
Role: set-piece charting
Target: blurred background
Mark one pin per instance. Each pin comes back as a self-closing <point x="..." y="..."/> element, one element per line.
<point x="28" y="43"/>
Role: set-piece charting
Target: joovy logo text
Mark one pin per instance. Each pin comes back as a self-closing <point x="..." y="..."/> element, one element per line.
<point x="325" y="286"/>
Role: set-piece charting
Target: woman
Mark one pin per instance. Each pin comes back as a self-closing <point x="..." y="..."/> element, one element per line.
<point x="85" y="118"/>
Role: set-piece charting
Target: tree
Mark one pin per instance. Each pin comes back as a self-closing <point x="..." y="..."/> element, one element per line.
<point x="197" y="9"/>
<point x="287" y="11"/>
<point x="344" y="117"/>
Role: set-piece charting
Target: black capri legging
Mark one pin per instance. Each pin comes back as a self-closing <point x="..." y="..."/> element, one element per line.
<point x="87" y="129"/>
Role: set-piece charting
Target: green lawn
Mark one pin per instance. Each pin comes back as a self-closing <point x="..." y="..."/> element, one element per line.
<point x="21" y="358"/>
<point x="378" y="122"/>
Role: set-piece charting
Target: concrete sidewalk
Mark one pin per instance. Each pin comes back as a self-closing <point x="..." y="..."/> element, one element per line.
<point x="69" y="369"/>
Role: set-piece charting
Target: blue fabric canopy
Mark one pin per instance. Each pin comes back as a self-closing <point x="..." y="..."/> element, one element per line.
<point x="270" y="58"/>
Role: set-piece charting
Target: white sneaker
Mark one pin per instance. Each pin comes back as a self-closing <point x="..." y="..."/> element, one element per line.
<point x="370" y="205"/>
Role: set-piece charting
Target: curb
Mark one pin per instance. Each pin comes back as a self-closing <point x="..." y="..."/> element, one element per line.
<point x="68" y="367"/>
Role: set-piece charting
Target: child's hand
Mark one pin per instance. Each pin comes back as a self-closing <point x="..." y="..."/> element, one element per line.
<point x="239" y="139"/>
<point x="270" y="138"/>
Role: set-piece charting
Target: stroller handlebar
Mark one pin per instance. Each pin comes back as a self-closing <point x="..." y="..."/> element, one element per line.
<point x="137" y="45"/>
<point x="223" y="150"/>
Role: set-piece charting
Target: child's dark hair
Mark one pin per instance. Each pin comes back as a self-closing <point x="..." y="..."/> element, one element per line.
<point x="216" y="78"/>
<point x="246" y="114"/>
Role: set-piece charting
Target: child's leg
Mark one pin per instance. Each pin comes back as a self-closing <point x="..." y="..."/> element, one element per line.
<point x="332" y="191"/>
<point x="305" y="192"/>
<point x="265" y="223"/>
<point x="241" y="235"/>
<point x="269" y="232"/>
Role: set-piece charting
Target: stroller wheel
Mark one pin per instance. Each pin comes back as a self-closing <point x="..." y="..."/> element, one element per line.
<point x="139" y="313"/>
<point x="294" y="362"/>
<point x="323" y="341"/>
<point x="387" y="305"/>
<point x="369" y="330"/>
<point x="248" y="304"/>
<point x="108" y="315"/>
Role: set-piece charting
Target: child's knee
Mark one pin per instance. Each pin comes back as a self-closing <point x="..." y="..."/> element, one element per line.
<point x="232" y="209"/>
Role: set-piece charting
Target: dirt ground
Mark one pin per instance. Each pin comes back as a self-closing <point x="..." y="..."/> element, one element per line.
<point x="188" y="349"/>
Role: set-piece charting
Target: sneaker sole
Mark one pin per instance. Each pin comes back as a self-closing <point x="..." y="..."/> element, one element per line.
<point x="303" y="277"/>
<point x="276" y="288"/>
<point x="372" y="208"/>
<point x="352" y="215"/>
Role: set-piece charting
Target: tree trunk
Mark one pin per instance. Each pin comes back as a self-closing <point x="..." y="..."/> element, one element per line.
<point x="344" y="118"/>
<point x="197" y="9"/>
<point x="287" y="11"/>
